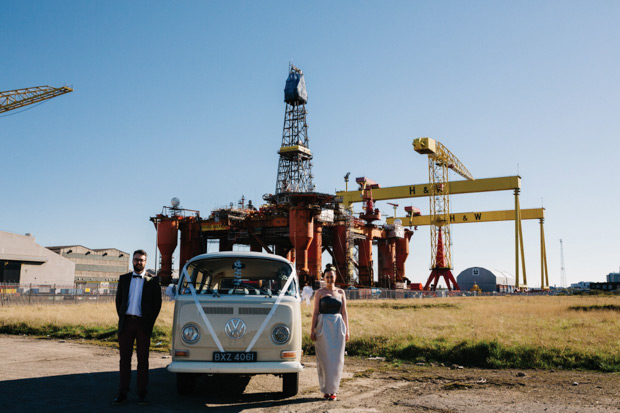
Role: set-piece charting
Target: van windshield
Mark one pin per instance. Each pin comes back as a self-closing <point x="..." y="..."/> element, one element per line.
<point x="241" y="276"/>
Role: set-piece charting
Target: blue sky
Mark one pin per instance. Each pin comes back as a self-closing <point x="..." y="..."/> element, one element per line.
<point x="185" y="99"/>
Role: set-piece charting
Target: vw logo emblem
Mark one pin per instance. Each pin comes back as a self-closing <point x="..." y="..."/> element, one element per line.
<point x="235" y="328"/>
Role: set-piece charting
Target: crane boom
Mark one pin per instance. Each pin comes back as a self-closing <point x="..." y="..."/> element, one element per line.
<point x="441" y="155"/>
<point x="423" y="190"/>
<point x="13" y="99"/>
<point x="472" y="217"/>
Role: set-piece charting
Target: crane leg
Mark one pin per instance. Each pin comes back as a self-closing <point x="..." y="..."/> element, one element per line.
<point x="433" y="279"/>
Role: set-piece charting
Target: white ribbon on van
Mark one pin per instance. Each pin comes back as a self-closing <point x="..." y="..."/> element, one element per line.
<point x="184" y="275"/>
<point x="273" y="310"/>
<point x="260" y="330"/>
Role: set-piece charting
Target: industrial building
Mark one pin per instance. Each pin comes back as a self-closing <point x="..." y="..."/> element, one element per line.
<point x="581" y="285"/>
<point x="612" y="283"/>
<point x="94" y="266"/>
<point x="605" y="286"/>
<point x="613" y="277"/>
<point x="24" y="262"/>
<point x="487" y="280"/>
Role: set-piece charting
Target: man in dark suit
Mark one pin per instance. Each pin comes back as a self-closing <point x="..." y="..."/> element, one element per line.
<point x="138" y="301"/>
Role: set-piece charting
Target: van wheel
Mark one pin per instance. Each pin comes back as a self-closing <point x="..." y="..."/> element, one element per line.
<point x="290" y="384"/>
<point x="186" y="383"/>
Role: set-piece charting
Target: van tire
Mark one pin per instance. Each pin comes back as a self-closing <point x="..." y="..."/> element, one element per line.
<point x="290" y="384"/>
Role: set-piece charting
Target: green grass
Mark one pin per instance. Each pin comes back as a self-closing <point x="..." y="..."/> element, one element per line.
<point x="484" y="354"/>
<point x="608" y="307"/>
<point x="105" y="335"/>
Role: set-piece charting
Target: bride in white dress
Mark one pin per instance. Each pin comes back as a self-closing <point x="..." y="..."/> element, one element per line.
<point x="330" y="331"/>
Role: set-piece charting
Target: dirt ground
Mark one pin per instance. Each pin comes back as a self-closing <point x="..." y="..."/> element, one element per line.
<point x="53" y="375"/>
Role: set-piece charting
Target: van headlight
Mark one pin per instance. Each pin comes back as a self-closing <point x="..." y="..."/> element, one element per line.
<point x="190" y="333"/>
<point x="280" y="334"/>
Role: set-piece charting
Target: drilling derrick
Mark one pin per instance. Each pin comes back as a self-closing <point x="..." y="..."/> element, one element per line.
<point x="294" y="187"/>
<point x="295" y="166"/>
<point x="440" y="161"/>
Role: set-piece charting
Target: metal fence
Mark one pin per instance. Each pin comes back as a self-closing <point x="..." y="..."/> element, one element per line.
<point x="11" y="294"/>
<point x="380" y="293"/>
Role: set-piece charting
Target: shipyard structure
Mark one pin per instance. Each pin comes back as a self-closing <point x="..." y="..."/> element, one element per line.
<point x="295" y="222"/>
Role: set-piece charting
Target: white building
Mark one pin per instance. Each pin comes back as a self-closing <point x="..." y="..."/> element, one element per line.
<point x="24" y="262"/>
<point x="95" y="266"/>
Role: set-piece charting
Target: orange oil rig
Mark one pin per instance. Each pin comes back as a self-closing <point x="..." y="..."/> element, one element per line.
<point x="296" y="222"/>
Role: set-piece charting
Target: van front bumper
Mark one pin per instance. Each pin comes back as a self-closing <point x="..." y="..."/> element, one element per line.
<point x="259" y="367"/>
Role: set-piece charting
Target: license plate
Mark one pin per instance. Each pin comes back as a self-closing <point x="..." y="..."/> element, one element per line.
<point x="234" y="356"/>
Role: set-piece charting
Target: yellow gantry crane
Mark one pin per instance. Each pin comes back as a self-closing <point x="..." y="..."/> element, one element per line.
<point x="507" y="183"/>
<point x="495" y="216"/>
<point x="440" y="162"/>
<point x="14" y="99"/>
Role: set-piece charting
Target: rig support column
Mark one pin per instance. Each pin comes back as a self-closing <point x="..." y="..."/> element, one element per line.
<point x="365" y="269"/>
<point x="167" y="233"/>
<point x="402" y="252"/>
<point x="191" y="243"/>
<point x="341" y="253"/>
<point x="387" y="262"/>
<point x="226" y="244"/>
<point x="315" y="253"/>
<point x="301" y="232"/>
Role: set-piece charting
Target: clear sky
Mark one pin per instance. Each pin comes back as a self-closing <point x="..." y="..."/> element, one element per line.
<point x="185" y="98"/>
